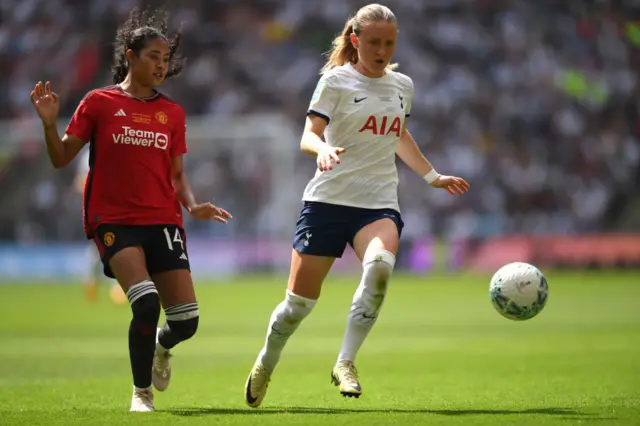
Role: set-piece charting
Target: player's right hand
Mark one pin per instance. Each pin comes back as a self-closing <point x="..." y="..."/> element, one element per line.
<point x="328" y="156"/>
<point x="46" y="103"/>
<point x="208" y="211"/>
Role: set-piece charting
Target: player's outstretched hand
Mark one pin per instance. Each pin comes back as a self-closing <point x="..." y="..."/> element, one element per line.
<point x="208" y="211"/>
<point x="454" y="185"/>
<point x="46" y="103"/>
<point x="328" y="156"/>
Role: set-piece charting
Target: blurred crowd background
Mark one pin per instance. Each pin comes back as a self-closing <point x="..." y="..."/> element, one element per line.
<point x="535" y="103"/>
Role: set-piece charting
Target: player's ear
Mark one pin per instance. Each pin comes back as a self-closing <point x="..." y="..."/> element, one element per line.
<point x="354" y="40"/>
<point x="130" y="55"/>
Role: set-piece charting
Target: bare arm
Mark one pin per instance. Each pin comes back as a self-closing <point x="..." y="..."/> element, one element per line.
<point x="47" y="104"/>
<point x="205" y="211"/>
<point x="312" y="144"/>
<point x="181" y="184"/>
<point x="410" y="154"/>
<point x="61" y="151"/>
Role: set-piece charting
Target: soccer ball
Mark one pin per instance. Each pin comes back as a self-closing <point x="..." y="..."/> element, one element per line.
<point x="518" y="291"/>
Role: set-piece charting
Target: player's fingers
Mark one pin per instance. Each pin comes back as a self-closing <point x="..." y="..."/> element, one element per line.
<point x="453" y="188"/>
<point x="219" y="219"/>
<point x="224" y="213"/>
<point x="47" y="88"/>
<point x="32" y="96"/>
<point x="39" y="90"/>
<point x="340" y="150"/>
<point x="55" y="96"/>
<point x="324" y="164"/>
<point x="463" y="184"/>
<point x="450" y="190"/>
<point x="335" y="157"/>
<point x="329" y="163"/>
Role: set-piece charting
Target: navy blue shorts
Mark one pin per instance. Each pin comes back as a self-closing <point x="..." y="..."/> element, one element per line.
<point x="326" y="229"/>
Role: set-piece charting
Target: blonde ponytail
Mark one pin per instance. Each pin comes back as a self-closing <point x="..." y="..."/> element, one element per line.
<point x="342" y="50"/>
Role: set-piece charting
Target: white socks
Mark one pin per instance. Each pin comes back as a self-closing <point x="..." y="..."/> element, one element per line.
<point x="285" y="319"/>
<point x="366" y="304"/>
<point x="367" y="301"/>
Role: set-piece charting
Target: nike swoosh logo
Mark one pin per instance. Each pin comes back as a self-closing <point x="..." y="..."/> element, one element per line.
<point x="250" y="399"/>
<point x="356" y="100"/>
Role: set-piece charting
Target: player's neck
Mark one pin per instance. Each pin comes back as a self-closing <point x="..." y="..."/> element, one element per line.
<point x="136" y="90"/>
<point x="366" y="72"/>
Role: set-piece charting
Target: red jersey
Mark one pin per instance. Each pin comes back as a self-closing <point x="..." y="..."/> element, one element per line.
<point x="131" y="144"/>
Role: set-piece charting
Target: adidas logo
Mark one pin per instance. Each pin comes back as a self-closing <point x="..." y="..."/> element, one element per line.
<point x="120" y="113"/>
<point x="183" y="256"/>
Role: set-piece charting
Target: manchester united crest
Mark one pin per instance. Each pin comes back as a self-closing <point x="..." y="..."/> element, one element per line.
<point x="109" y="239"/>
<point x="162" y="117"/>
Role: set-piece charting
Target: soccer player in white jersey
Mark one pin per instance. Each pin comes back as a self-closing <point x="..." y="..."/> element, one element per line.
<point x="94" y="272"/>
<point x="361" y="106"/>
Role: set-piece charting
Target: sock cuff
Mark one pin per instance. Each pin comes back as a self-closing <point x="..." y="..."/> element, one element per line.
<point x="299" y="300"/>
<point x="379" y="256"/>
<point x="136" y="291"/>
<point x="182" y="312"/>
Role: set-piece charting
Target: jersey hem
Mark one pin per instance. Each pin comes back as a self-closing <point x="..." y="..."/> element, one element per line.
<point x="90" y="230"/>
<point x="346" y="203"/>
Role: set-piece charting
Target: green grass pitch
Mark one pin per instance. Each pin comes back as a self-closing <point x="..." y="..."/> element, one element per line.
<point x="439" y="354"/>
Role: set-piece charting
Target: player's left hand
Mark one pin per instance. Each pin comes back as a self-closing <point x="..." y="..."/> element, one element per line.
<point x="208" y="211"/>
<point x="454" y="185"/>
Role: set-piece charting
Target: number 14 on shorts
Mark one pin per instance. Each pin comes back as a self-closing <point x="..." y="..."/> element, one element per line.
<point x="177" y="238"/>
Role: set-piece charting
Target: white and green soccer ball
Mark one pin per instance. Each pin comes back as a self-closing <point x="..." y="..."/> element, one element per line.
<point x="518" y="291"/>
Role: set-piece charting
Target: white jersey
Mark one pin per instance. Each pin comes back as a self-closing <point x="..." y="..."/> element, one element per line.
<point x="366" y="117"/>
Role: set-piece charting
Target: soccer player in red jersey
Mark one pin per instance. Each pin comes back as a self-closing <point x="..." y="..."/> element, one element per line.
<point x="134" y="190"/>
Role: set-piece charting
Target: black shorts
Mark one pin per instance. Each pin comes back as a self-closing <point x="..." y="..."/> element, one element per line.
<point x="326" y="229"/>
<point x="164" y="246"/>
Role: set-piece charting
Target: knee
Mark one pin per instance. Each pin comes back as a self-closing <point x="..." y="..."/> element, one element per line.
<point x="146" y="309"/>
<point x="379" y="266"/>
<point x="185" y="329"/>
<point x="183" y="319"/>
<point x="367" y="301"/>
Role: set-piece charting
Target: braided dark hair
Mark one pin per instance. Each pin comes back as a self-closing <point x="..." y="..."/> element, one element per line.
<point x="134" y="34"/>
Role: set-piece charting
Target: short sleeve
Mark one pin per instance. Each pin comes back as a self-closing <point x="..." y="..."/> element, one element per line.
<point x="325" y="98"/>
<point x="179" y="135"/>
<point x="83" y="122"/>
<point x="409" y="100"/>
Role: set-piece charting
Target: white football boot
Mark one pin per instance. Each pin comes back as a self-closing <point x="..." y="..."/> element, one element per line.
<point x="255" y="388"/>
<point x="161" y="371"/>
<point x="142" y="400"/>
<point x="345" y="375"/>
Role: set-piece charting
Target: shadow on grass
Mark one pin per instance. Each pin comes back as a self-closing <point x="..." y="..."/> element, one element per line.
<point x="198" y="411"/>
